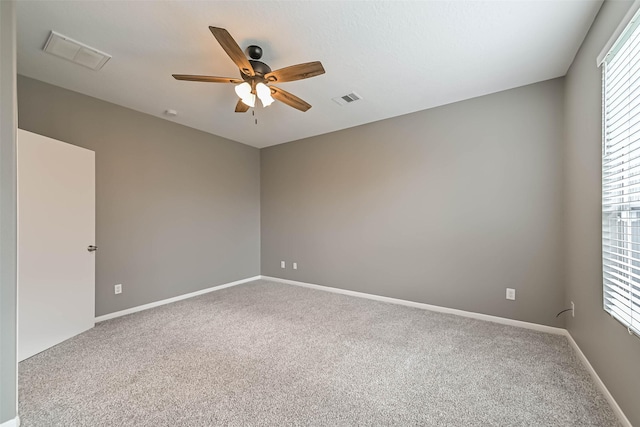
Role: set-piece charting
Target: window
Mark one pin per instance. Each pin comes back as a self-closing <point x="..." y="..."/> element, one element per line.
<point x="621" y="178"/>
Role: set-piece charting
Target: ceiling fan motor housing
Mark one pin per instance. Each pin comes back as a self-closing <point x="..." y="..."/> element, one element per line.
<point x="259" y="67"/>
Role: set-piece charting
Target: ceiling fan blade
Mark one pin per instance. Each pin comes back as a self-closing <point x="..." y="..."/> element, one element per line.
<point x="241" y="107"/>
<point x="233" y="50"/>
<point x="289" y="99"/>
<point x="296" y="72"/>
<point x="210" y="79"/>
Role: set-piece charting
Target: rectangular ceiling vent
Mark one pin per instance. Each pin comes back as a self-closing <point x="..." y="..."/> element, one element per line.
<point x="76" y="52"/>
<point x="347" y="99"/>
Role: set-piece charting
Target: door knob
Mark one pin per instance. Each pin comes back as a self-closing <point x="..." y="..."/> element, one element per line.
<point x="92" y="248"/>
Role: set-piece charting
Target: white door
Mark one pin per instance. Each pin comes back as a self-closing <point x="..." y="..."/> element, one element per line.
<point x="56" y="225"/>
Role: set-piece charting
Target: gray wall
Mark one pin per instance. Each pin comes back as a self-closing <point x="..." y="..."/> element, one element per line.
<point x="448" y="206"/>
<point x="177" y="210"/>
<point x="614" y="354"/>
<point x="8" y="334"/>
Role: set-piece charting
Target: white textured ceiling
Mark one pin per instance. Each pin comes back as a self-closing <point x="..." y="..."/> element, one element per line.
<point x="399" y="56"/>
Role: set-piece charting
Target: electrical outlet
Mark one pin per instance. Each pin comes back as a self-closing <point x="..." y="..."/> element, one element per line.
<point x="282" y="264"/>
<point x="511" y="294"/>
<point x="295" y="265"/>
<point x="573" y="309"/>
<point x="117" y="289"/>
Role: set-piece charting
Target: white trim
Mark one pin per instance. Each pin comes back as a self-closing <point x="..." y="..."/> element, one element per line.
<point x="619" y="30"/>
<point x="439" y="309"/>
<point x="170" y="300"/>
<point x="603" y="389"/>
<point x="11" y="423"/>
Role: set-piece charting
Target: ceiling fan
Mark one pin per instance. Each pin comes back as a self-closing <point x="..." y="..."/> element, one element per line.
<point x="256" y="76"/>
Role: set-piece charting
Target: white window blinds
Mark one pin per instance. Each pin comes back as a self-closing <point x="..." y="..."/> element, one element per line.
<point x="621" y="179"/>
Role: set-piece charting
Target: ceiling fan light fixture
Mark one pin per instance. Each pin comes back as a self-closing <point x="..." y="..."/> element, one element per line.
<point x="243" y="90"/>
<point x="264" y="93"/>
<point x="249" y="100"/>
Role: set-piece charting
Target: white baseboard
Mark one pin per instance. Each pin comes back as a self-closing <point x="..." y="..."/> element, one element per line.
<point x="11" y="423"/>
<point x="170" y="300"/>
<point x="439" y="309"/>
<point x="603" y="388"/>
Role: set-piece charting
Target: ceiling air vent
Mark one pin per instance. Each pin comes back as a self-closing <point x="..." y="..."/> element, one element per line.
<point x="76" y="52"/>
<point x="347" y="99"/>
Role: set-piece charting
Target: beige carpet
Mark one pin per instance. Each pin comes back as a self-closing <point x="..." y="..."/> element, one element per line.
<point x="272" y="354"/>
